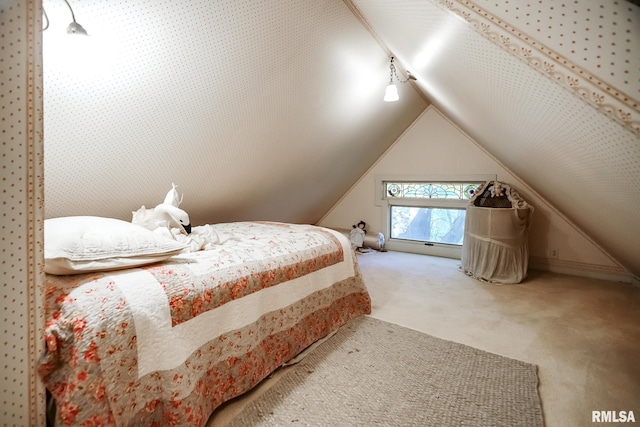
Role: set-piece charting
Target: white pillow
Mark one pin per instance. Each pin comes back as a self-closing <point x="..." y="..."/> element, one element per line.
<point x="82" y="244"/>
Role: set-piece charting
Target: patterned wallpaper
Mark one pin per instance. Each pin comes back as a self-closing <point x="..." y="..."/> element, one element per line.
<point x="557" y="122"/>
<point x="590" y="47"/>
<point x="602" y="37"/>
<point x="228" y="99"/>
<point x="21" y="213"/>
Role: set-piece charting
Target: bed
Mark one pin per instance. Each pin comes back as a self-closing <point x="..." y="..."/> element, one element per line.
<point x="166" y="343"/>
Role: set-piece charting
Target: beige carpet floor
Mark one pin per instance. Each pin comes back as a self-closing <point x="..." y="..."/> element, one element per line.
<point x="583" y="334"/>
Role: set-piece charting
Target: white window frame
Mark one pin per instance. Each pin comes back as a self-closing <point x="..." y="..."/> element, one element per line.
<point x="385" y="202"/>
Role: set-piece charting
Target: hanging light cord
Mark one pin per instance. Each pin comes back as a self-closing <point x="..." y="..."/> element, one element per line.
<point x="74" y="27"/>
<point x="72" y="14"/>
<point x="46" y="18"/>
<point x="392" y="72"/>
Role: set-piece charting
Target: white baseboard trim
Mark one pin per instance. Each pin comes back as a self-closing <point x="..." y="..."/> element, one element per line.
<point x="445" y="251"/>
<point x="572" y="268"/>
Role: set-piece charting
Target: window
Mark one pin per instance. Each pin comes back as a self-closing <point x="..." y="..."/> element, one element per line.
<point x="433" y="225"/>
<point x="429" y="224"/>
<point x="431" y="190"/>
<point x="425" y="214"/>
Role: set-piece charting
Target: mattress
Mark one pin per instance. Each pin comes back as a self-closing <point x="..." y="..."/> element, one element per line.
<point x="168" y="343"/>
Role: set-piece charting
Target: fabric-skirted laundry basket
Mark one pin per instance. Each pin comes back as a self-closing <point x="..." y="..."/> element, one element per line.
<point x="495" y="247"/>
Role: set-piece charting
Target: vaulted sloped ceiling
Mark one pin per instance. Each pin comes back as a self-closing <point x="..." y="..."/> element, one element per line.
<point x="257" y="110"/>
<point x="549" y="88"/>
<point x="271" y="110"/>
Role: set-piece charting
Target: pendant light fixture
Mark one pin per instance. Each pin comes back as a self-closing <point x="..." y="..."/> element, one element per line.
<point x="73" y="28"/>
<point x="391" y="92"/>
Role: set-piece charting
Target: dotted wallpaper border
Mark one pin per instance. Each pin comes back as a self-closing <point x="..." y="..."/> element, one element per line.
<point x="22" y="397"/>
<point x="612" y="102"/>
<point x="35" y="208"/>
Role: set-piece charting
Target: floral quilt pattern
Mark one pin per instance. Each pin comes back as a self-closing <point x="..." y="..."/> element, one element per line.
<point x="91" y="363"/>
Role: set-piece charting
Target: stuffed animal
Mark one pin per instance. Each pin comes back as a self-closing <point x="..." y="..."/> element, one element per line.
<point x="173" y="198"/>
<point x="357" y="236"/>
<point x="173" y="216"/>
<point x="497" y="189"/>
<point x="167" y="214"/>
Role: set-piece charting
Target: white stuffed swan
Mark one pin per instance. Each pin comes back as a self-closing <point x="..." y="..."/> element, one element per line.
<point x="166" y="214"/>
<point x="174" y="216"/>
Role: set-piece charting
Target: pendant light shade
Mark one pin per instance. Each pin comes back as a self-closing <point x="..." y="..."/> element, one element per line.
<point x="391" y="93"/>
<point x="73" y="28"/>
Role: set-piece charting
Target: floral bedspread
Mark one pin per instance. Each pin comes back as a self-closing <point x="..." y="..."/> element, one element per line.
<point x="166" y="344"/>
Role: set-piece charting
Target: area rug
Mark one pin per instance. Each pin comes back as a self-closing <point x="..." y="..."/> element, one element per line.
<point x="376" y="373"/>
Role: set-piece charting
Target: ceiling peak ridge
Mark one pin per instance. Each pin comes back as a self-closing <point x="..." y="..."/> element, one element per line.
<point x="591" y="89"/>
<point x="401" y="69"/>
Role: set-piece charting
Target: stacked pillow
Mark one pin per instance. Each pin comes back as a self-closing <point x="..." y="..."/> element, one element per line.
<point x="83" y="244"/>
